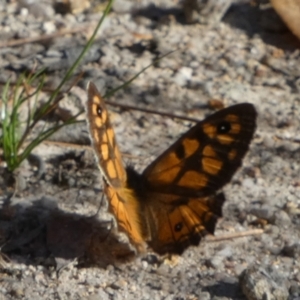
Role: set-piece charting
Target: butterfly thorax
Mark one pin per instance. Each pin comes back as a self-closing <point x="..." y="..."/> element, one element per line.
<point x="134" y="180"/>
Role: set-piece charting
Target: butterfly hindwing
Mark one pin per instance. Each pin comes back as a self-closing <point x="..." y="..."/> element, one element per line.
<point x="125" y="207"/>
<point x="183" y="221"/>
<point x="205" y="158"/>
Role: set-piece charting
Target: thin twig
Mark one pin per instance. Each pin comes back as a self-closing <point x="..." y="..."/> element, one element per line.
<point x="234" y="235"/>
<point x="84" y="147"/>
<point x="151" y="111"/>
<point x="13" y="43"/>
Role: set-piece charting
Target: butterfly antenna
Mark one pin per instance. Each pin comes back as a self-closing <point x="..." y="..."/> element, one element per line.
<point x="100" y="204"/>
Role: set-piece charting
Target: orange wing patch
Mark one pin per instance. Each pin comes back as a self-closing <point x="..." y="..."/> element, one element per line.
<point x="173" y="203"/>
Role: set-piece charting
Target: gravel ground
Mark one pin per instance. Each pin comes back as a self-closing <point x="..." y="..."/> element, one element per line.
<point x="57" y="240"/>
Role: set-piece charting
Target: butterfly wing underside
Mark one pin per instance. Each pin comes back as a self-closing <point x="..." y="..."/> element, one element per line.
<point x="103" y="140"/>
<point x="185" y="178"/>
<point x="122" y="203"/>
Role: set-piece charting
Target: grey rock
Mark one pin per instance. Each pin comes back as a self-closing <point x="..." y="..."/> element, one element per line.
<point x="256" y="283"/>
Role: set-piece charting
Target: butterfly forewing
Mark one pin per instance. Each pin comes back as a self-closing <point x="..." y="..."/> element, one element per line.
<point x="103" y="139"/>
<point x="205" y="157"/>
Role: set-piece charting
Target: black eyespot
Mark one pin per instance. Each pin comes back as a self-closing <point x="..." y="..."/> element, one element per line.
<point x="180" y="153"/>
<point x="178" y="227"/>
<point x="224" y="127"/>
<point x="99" y="111"/>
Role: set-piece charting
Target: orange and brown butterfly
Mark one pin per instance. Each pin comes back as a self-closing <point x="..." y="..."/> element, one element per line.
<point x="174" y="202"/>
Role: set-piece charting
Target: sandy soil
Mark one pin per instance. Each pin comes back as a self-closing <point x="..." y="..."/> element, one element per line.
<point x="57" y="239"/>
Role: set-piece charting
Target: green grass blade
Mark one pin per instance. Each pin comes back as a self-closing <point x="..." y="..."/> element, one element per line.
<point x="109" y="94"/>
<point x="78" y="60"/>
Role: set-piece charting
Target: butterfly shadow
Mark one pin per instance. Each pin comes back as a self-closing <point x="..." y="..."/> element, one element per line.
<point x="157" y="13"/>
<point x="230" y="290"/>
<point x="262" y="22"/>
<point x="42" y="234"/>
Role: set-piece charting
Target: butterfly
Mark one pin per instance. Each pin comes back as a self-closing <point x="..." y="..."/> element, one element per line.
<point x="175" y="201"/>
